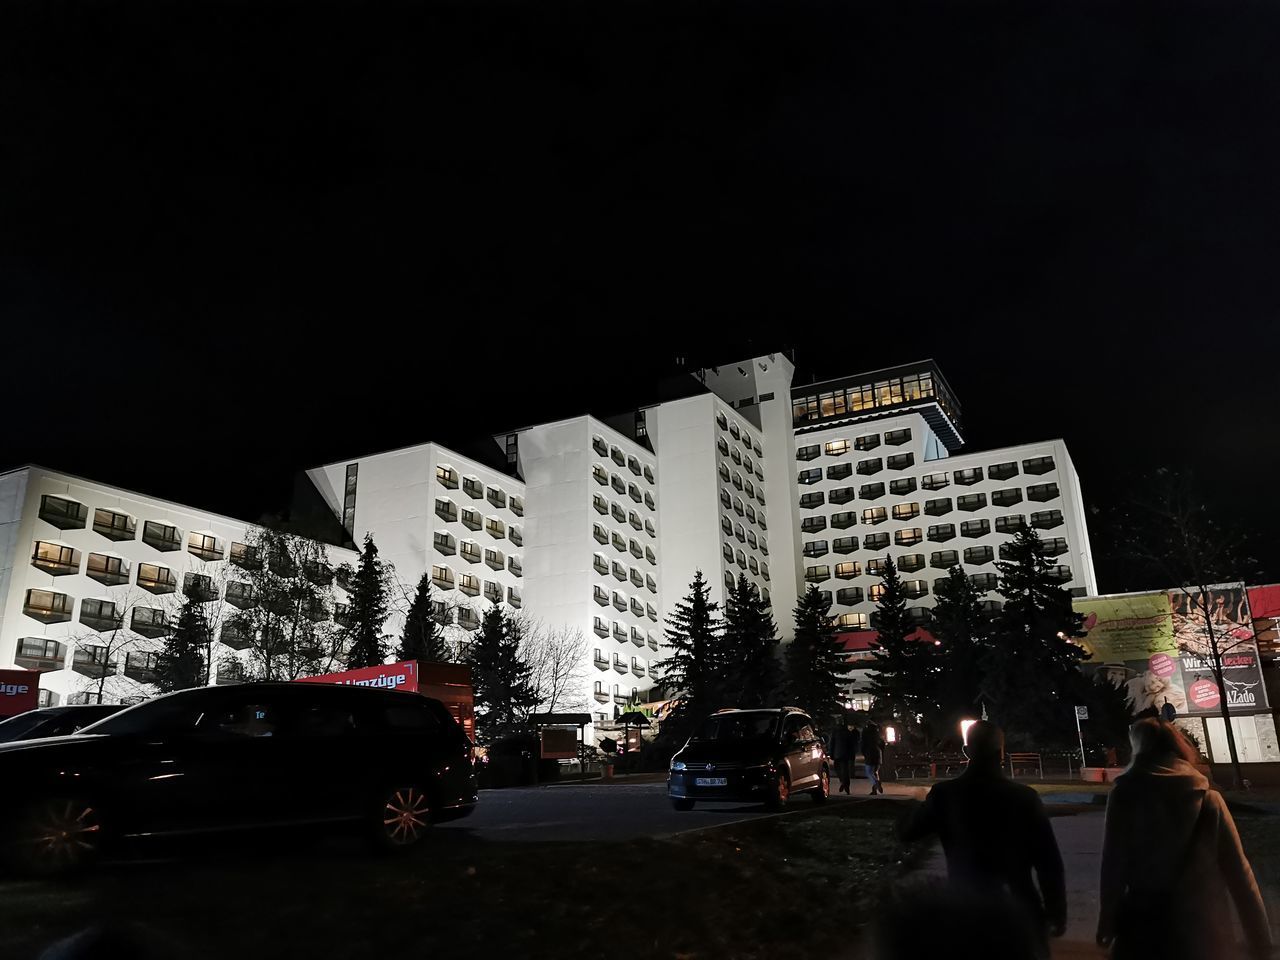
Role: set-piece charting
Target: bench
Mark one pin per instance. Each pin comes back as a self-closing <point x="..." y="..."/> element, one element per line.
<point x="1023" y="761"/>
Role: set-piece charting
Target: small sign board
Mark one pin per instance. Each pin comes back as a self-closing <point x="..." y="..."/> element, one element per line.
<point x="19" y="692"/>
<point x="1082" y="713"/>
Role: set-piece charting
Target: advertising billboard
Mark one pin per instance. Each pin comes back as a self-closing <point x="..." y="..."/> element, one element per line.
<point x="19" y="692"/>
<point x="1264" y="604"/>
<point x="1155" y="645"/>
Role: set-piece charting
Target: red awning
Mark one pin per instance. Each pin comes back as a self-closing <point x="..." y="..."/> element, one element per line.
<point x="857" y="641"/>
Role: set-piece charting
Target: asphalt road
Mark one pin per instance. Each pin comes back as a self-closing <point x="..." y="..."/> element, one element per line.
<point x="597" y="812"/>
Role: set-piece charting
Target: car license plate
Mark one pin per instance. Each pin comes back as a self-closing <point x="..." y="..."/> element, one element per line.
<point x="711" y="781"/>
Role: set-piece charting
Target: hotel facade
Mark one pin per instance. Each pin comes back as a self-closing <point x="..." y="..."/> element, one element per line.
<point x="590" y="524"/>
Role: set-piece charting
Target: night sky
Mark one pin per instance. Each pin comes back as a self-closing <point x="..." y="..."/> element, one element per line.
<point x="237" y="239"/>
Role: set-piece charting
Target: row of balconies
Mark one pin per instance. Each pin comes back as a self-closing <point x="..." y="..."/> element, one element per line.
<point x="621" y="459"/>
<point x="448" y="477"/>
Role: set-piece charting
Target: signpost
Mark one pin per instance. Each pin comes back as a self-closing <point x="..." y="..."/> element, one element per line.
<point x="1082" y="713"/>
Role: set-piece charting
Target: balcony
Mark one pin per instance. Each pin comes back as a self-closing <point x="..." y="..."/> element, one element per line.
<point x="494" y="560"/>
<point x="472" y="520"/>
<point x="844" y="495"/>
<point x="468" y="619"/>
<point x="445" y="544"/>
<point x="619" y="664"/>
<point x="845" y="545"/>
<point x="469" y="585"/>
<point x="199" y="587"/>
<point x="48" y="606"/>
<point x="637" y="636"/>
<point x="637" y="578"/>
<point x="601" y="596"/>
<point x="235" y="634"/>
<point x="447" y="477"/>
<point x="600" y="475"/>
<point x="601" y="661"/>
<point x="517" y="506"/>
<point x="637" y="608"/>
<point x="63" y="513"/>
<point x="619" y="570"/>
<point x="1040" y="492"/>
<point x="496" y="497"/>
<point x="107" y="570"/>
<point x="618" y="456"/>
<point x="321" y="574"/>
<point x="637" y="668"/>
<point x="92" y="662"/>
<point x="161" y="536"/>
<point x="37" y="653"/>
<point x="600" y="533"/>
<point x="1061" y="573"/>
<point x="205" y="546"/>
<point x="619" y="542"/>
<point x="442" y="577"/>
<point x="620" y="602"/>
<point x="246" y="557"/>
<point x="55" y="559"/>
<point x="619" y="485"/>
<point x="868" y="467"/>
<point x="601" y="629"/>
<point x="1002" y="471"/>
<point x="229" y="671"/>
<point x="600" y="503"/>
<point x="157" y="579"/>
<point x="600" y="447"/>
<point x="653" y="642"/>
<point x="515" y="535"/>
<point x="493" y="592"/>
<point x="637" y="551"/>
<point x="650" y="584"/>
<point x="601" y="696"/>
<point x="150" y="622"/>
<point x="341" y="614"/>
<point x="114" y="526"/>
<point x="619" y="633"/>
<point x="621" y="699"/>
<point x="100" y="615"/>
<point x="447" y="510"/>
<point x="1046" y="519"/>
<point x="473" y="488"/>
<point x="140" y="666"/>
<point x="514" y="598"/>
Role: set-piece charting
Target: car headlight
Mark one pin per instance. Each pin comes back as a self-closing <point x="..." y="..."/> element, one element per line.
<point x="677" y="764"/>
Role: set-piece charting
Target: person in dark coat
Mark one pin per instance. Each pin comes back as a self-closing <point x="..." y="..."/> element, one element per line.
<point x="872" y="756"/>
<point x="995" y="835"/>
<point x="843" y="748"/>
<point x="1171" y="859"/>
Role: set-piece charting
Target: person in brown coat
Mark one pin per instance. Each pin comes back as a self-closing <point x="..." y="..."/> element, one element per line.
<point x="1170" y="857"/>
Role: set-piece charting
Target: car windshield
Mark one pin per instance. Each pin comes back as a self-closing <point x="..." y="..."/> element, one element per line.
<point x="165" y="715"/>
<point x="737" y="726"/>
<point x="16" y="728"/>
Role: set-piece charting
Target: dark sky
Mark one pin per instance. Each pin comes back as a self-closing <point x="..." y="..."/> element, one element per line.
<point x="241" y="238"/>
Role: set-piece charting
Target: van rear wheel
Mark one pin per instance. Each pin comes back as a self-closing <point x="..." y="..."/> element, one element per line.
<point x="403" y="818"/>
<point x="56" y="836"/>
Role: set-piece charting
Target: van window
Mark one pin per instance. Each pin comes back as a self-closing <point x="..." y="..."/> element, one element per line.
<point x="410" y="717"/>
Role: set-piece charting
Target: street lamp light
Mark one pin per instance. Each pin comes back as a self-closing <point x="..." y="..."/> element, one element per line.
<point x="890" y="735"/>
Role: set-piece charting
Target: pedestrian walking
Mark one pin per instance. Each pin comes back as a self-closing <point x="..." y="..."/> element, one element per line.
<point x="1171" y="855"/>
<point x="843" y="748"/>
<point x="995" y="835"/>
<point x="872" y="755"/>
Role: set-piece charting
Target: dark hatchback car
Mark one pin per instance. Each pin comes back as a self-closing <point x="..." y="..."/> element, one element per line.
<point x="751" y="755"/>
<point x="237" y="757"/>
<point x="54" y="721"/>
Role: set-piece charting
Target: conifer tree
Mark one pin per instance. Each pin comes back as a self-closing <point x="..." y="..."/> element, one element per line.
<point x="366" y="644"/>
<point x="180" y="664"/>
<point x="963" y="629"/>
<point x="499" y="675"/>
<point x="815" y="665"/>
<point x="750" y="645"/>
<point x="905" y="669"/>
<point x="422" y="637"/>
<point x="694" y="672"/>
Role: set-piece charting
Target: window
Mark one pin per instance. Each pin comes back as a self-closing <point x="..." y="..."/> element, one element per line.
<point x="600" y="533"/>
<point x="471" y="551"/>
<point x="908" y="537"/>
<point x="651" y="612"/>
<point x="242" y="595"/>
<point x="845" y="545"/>
<point x="760" y="519"/>
<point x="868" y="467"/>
<point x="473" y="488"/>
<point x="63" y="513"/>
<point x="1011" y="524"/>
<point x="619" y="542"/>
<point x="637" y="551"/>
<point x="752" y="565"/>
<point x="868" y="442"/>
<point x="492" y="591"/>
<point x="726" y="525"/>
<point x="896" y="438"/>
<point x="468" y="619"/>
<point x="48" y="606"/>
<point x="967" y="478"/>
<point x="910" y="562"/>
<point x="875" y="541"/>
<point x="935" y="481"/>
<point x="517" y="506"/>
<point x="736" y="454"/>
<point x="838" y="471"/>
<point x="742" y="559"/>
<point x="752" y="542"/>
<point x="722" y="445"/>
<point x="722" y="421"/>
<point x="471" y="519"/>
<point x="810" y="500"/>
<point x="55" y="558"/>
<point x="1038" y="465"/>
<point x="840" y="495"/>
<point x="809" y="476"/>
<point x="938" y="508"/>
<point x="40" y="653"/>
<point x="848" y="596"/>
<point x="724" y="472"/>
<point x="813" y="524"/>
<point x="942" y="532"/>
<point x="494" y="559"/>
<point x="944" y="559"/>
<point x="650" y="529"/>
<point x="871" y="491"/>
<point x="808" y="453"/>
<point x="751" y="489"/>
<point x="975" y="528"/>
<point x="1006" y="498"/>
<point x="900" y="461"/>
<point x="204" y="545"/>
<point x="618" y="512"/>
<point x="877" y="592"/>
<point x="496" y="496"/>
<point x="617" y="483"/>
<point x="836" y="448"/>
<point x="156" y="579"/>
<point x="739" y="509"/>
<point x="1002" y="471"/>
<point x="199" y="587"/>
<point x="875" y="515"/>
<point x="650" y="583"/>
<point x="1053" y="546"/>
<point x="107" y="569"/>
<point x="113" y="525"/>
<point x="149" y="622"/>
<point x="634" y="493"/>
<point x="815" y="548"/>
<point x="446" y="510"/>
<point x="764" y="570"/>
<point x="817" y="574"/>
<point x="902" y="486"/>
<point x="915" y="589"/>
<point x="649" y="501"/>
<point x="600" y="595"/>
<point x="516" y="535"/>
<point x="906" y="511"/>
<point x="447" y="477"/>
<point x="246" y="557"/>
<point x="1040" y="492"/>
<point x="848" y="570"/>
<point x="854" y="621"/>
<point x="970" y="502"/>
<point x="600" y="447"/>
<point x="734" y="431"/>
<point x="648" y="473"/>
<point x="751" y="513"/>
<point x="1046" y="519"/>
<point x="1061" y="572"/>
<point x="983" y="582"/>
<point x="633" y="464"/>
<point x="842" y="521"/>
<point x="977" y="556"/>
<point x="469" y="584"/>
<point x="618" y="457"/>
<point x="600" y="474"/>
<point x="165" y="537"/>
<point x="725" y="499"/>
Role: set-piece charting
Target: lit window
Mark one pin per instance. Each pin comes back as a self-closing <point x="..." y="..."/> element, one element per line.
<point x="836" y="448"/>
<point x="875" y="515"/>
<point x="908" y="537"/>
<point x="906" y="511"/>
<point x="968" y="477"/>
<point x="447" y="476"/>
<point x="868" y="442"/>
